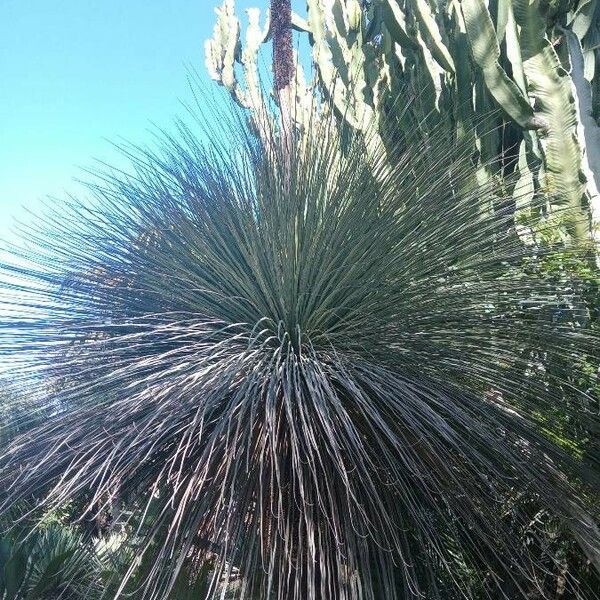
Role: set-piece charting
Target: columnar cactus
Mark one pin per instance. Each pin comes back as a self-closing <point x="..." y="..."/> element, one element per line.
<point x="463" y="58"/>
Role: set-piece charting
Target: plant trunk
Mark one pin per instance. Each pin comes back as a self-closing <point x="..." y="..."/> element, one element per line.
<point x="283" y="68"/>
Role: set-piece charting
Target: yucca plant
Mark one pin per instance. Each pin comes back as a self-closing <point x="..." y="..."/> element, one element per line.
<point x="322" y="372"/>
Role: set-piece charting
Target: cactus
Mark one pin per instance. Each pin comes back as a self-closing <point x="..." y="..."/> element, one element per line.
<point x="224" y="50"/>
<point x="513" y="59"/>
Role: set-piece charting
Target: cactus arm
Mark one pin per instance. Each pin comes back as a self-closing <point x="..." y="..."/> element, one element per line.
<point x="502" y="12"/>
<point x="222" y="50"/>
<point x="588" y="31"/>
<point x="486" y="54"/>
<point x="430" y="72"/>
<point x="583" y="17"/>
<point x="423" y="71"/>
<point x="395" y="21"/>
<point x="323" y="58"/>
<point x="255" y="37"/>
<point x="588" y="130"/>
<point x="513" y="51"/>
<point x="303" y="105"/>
<point x="549" y="86"/>
<point x="424" y="60"/>
<point x="531" y="166"/>
<point x="340" y="61"/>
<point x="299" y="23"/>
<point x="524" y="191"/>
<point x="431" y="33"/>
<point x="463" y="81"/>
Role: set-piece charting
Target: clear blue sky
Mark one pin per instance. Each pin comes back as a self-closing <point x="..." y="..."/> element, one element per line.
<point x="76" y="72"/>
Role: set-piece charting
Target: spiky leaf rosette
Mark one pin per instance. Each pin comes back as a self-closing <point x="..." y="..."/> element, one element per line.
<point x="329" y="379"/>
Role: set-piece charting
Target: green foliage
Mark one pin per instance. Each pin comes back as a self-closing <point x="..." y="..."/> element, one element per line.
<point x="55" y="560"/>
<point x="52" y="561"/>
<point x="45" y="556"/>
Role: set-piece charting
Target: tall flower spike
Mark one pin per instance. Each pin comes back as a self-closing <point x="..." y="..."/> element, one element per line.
<point x="330" y="387"/>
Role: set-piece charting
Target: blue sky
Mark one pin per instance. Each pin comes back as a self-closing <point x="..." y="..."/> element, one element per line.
<point x="76" y="73"/>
